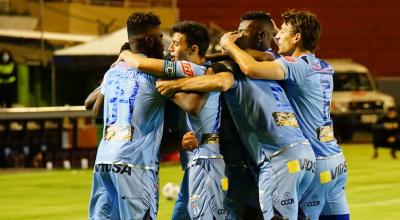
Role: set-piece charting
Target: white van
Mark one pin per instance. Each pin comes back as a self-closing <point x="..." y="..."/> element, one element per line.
<point x="356" y="102"/>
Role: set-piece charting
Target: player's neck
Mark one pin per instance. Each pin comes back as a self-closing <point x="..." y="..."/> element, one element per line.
<point x="300" y="52"/>
<point x="197" y="60"/>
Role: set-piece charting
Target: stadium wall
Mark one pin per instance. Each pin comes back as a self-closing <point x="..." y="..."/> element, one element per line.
<point x="366" y="31"/>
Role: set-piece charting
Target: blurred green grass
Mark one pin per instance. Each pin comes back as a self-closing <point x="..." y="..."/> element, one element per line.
<point x="373" y="189"/>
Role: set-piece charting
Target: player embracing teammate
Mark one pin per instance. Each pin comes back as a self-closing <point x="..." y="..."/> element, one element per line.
<point x="285" y="127"/>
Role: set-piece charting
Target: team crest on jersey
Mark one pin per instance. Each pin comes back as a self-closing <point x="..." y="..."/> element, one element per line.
<point x="325" y="133"/>
<point x="187" y="69"/>
<point x="285" y="119"/>
<point x="290" y="59"/>
<point x="118" y="133"/>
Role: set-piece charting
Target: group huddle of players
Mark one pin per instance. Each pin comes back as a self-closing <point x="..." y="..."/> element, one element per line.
<point x="260" y="142"/>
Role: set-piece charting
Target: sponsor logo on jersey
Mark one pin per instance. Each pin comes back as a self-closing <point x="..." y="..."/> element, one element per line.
<point x="314" y="201"/>
<point x="187" y="68"/>
<point x="116" y="132"/>
<point x="293" y="166"/>
<point x="121" y="169"/>
<point x="285" y="119"/>
<point x="325" y="177"/>
<point x="306" y="164"/>
<point x="325" y="133"/>
<point x="329" y="175"/>
<point x="288" y="200"/>
<point x="224" y="184"/>
<point x="301" y="164"/>
<point x="290" y="59"/>
<point x="221" y="211"/>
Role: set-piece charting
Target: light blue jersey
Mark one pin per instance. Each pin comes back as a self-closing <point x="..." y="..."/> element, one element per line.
<point x="263" y="116"/>
<point x="206" y="123"/>
<point x="204" y="166"/>
<point x="125" y="178"/>
<point x="269" y="129"/>
<point x="309" y="86"/>
<point x="133" y="119"/>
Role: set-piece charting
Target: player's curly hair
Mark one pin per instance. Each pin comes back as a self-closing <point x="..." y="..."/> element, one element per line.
<point x="195" y="34"/>
<point x="305" y="23"/>
<point x="138" y="22"/>
<point x="256" y="15"/>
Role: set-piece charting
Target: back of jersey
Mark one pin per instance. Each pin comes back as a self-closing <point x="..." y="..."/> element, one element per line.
<point x="133" y="119"/>
<point x="263" y="116"/>
<point x="309" y="86"/>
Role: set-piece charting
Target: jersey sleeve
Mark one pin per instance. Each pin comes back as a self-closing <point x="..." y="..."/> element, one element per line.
<point x="181" y="69"/>
<point x="293" y="69"/>
<point x="102" y="86"/>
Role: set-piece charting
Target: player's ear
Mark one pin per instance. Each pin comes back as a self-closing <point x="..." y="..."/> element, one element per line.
<point x="261" y="36"/>
<point x="297" y="38"/>
<point x="194" y="49"/>
<point x="149" y="41"/>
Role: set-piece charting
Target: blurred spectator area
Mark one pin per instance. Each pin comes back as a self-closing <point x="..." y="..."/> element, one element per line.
<point x="32" y="137"/>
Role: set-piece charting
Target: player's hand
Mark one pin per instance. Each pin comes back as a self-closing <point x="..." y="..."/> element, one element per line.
<point x="189" y="141"/>
<point x="121" y="57"/>
<point x="229" y="38"/>
<point x="166" y="87"/>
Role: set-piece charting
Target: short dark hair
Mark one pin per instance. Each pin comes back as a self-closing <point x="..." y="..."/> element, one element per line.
<point x="125" y="46"/>
<point x="139" y="22"/>
<point x="305" y="23"/>
<point x="195" y="34"/>
<point x="256" y="15"/>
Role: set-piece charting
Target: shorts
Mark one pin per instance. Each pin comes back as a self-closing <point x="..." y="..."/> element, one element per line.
<point x="123" y="192"/>
<point x="326" y="194"/>
<point x="208" y="187"/>
<point x="283" y="179"/>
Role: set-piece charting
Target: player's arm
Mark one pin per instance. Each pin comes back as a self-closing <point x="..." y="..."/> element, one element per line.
<point x="271" y="70"/>
<point x="191" y="103"/>
<point x="98" y="104"/>
<point x="221" y="81"/>
<point x="148" y="65"/>
<point x="161" y="68"/>
<point x="91" y="99"/>
<point x="260" y="55"/>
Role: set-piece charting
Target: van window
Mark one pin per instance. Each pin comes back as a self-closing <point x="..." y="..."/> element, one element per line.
<point x="351" y="81"/>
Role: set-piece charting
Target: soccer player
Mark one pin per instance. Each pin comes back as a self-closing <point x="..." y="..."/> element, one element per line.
<point x="204" y="186"/>
<point x="125" y="178"/>
<point x="267" y="125"/>
<point x="308" y="81"/>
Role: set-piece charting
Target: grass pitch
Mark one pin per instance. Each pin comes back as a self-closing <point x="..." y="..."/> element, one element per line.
<point x="373" y="189"/>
